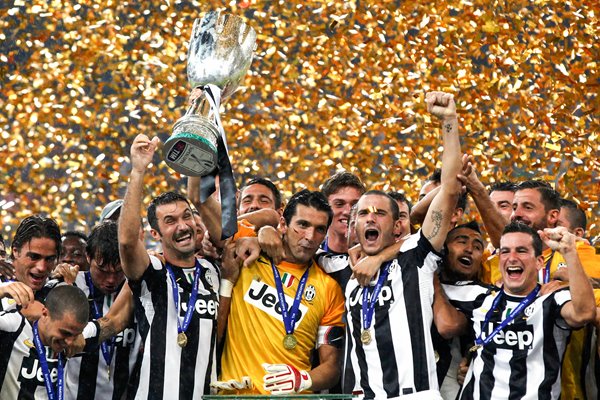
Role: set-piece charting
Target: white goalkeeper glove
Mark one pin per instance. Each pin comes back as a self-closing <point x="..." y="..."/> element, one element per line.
<point x="285" y="379"/>
<point x="232" y="384"/>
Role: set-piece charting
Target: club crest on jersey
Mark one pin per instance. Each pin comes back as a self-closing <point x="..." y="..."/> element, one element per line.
<point x="529" y="310"/>
<point x="310" y="293"/>
<point x="393" y="266"/>
<point x="264" y="297"/>
<point x="287" y="280"/>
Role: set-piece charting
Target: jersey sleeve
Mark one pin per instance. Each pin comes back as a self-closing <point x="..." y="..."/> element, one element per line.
<point x="151" y="275"/>
<point x="417" y="250"/>
<point x="11" y="321"/>
<point x="334" y="310"/>
<point x="561" y="297"/>
<point x="245" y="229"/>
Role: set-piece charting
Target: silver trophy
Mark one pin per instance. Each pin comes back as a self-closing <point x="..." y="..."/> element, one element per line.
<point x="219" y="56"/>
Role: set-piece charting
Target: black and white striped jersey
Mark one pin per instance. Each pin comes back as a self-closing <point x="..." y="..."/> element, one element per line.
<point x="336" y="265"/>
<point x="462" y="295"/>
<point x="523" y="361"/>
<point x="163" y="369"/>
<point x="21" y="374"/>
<point x="81" y="371"/>
<point x="400" y="359"/>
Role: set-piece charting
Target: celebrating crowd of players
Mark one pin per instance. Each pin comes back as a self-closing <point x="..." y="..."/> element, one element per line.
<point x="345" y="290"/>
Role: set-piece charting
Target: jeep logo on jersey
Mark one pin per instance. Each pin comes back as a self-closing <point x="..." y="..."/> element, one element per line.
<point x="512" y="337"/>
<point x="31" y="370"/>
<point x="125" y="338"/>
<point x="385" y="297"/>
<point x="206" y="306"/>
<point x="264" y="297"/>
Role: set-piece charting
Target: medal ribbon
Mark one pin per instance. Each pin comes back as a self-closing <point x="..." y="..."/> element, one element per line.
<point x="289" y="316"/>
<point x="182" y="327"/>
<point x="547" y="268"/>
<point x="107" y="346"/>
<point x="227" y="187"/>
<point x="41" y="350"/>
<point x="368" y="304"/>
<point x="513" y="314"/>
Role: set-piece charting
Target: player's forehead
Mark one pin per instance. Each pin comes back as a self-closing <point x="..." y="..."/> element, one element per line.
<point x="464" y="232"/>
<point x="310" y="215"/>
<point x="173" y="209"/>
<point x="256" y="189"/>
<point x="527" y="196"/>
<point x="373" y="199"/>
<point x="516" y="239"/>
<point x="502" y="195"/>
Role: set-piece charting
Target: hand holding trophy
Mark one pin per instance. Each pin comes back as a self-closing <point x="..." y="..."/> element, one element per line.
<point x="220" y="53"/>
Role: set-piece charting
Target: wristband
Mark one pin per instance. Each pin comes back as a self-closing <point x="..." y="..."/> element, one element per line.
<point x="225" y="288"/>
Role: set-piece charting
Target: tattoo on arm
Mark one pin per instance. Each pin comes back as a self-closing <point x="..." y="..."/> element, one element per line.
<point x="448" y="128"/>
<point x="107" y="329"/>
<point x="436" y="217"/>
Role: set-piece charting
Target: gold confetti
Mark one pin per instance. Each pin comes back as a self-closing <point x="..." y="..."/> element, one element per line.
<point x="332" y="85"/>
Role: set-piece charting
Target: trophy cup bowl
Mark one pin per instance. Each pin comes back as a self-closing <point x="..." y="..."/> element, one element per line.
<point x="220" y="53"/>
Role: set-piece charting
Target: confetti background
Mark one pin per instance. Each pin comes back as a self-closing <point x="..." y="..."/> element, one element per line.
<point x="333" y="85"/>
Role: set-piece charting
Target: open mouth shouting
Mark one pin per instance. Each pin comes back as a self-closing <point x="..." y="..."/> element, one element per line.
<point x="514" y="271"/>
<point x="184" y="237"/>
<point x="465" y="262"/>
<point x="371" y="235"/>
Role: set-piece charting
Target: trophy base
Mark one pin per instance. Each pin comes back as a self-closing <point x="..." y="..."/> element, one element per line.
<point x="192" y="148"/>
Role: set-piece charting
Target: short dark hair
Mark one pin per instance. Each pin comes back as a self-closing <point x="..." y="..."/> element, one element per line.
<point x="502" y="186"/>
<point x="401" y="197"/>
<point x="521" y="227"/>
<point x="63" y="299"/>
<point x="36" y="226"/>
<point x="436" y="176"/>
<point x="103" y="243"/>
<point x="308" y="198"/>
<point x="550" y="197"/>
<point x="268" y="184"/>
<point x="340" y="180"/>
<point x="575" y="214"/>
<point x="162" y="199"/>
<point x="76" y="234"/>
<point x="393" y="205"/>
<point x="472" y="225"/>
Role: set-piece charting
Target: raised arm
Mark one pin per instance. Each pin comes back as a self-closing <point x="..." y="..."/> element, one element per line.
<point x="210" y="211"/>
<point x="582" y="307"/>
<point x="134" y="258"/>
<point x="437" y="221"/>
<point x="492" y="219"/>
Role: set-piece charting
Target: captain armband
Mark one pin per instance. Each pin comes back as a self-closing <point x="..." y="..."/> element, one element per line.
<point x="331" y="335"/>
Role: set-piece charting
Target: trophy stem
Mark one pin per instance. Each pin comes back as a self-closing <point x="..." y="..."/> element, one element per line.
<point x="199" y="106"/>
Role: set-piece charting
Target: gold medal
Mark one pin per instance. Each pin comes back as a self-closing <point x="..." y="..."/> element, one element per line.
<point x="365" y="336"/>
<point x="475" y="348"/>
<point x="437" y="357"/>
<point x="181" y="339"/>
<point x="289" y="341"/>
